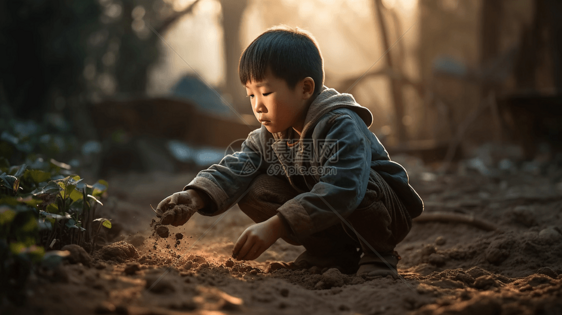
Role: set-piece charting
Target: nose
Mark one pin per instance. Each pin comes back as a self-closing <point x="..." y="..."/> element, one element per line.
<point x="258" y="105"/>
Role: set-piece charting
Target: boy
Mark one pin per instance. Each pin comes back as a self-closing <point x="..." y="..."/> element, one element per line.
<point x="313" y="174"/>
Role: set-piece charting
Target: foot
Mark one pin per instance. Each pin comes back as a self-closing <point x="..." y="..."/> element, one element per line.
<point x="371" y="266"/>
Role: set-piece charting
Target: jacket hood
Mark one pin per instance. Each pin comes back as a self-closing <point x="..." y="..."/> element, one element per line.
<point x="328" y="100"/>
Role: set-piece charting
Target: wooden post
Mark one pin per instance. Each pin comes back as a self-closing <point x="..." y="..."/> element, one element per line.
<point x="395" y="85"/>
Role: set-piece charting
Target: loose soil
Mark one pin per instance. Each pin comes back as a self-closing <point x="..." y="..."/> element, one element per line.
<point x="446" y="268"/>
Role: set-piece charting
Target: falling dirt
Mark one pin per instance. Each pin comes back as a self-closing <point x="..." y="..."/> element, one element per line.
<point x="446" y="268"/>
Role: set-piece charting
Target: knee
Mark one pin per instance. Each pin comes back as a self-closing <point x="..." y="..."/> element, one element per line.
<point x="256" y="191"/>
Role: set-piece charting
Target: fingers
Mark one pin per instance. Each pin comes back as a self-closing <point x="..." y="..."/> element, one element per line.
<point x="239" y="243"/>
<point x="174" y="199"/>
<point x="161" y="208"/>
<point x="246" y="250"/>
<point x="181" y="216"/>
<point x="255" y="252"/>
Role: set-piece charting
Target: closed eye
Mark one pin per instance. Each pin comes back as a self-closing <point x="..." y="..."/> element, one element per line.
<point x="264" y="94"/>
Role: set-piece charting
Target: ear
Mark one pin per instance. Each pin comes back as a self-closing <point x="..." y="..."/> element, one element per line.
<point x="307" y="88"/>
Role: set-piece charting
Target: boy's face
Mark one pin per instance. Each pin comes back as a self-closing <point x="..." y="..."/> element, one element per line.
<point x="278" y="107"/>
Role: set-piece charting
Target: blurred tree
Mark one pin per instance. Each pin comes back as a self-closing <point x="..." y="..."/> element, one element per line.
<point x="231" y="22"/>
<point x="44" y="45"/>
<point x="60" y="55"/>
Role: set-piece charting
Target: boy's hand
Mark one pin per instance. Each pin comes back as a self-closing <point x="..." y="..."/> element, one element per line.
<point x="257" y="238"/>
<point x="179" y="207"/>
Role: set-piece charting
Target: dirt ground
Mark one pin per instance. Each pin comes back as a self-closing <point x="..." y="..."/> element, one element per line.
<point x="446" y="267"/>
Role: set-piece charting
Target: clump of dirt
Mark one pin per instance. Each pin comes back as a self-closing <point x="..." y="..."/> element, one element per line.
<point x="119" y="252"/>
<point x="77" y="255"/>
<point x="162" y="231"/>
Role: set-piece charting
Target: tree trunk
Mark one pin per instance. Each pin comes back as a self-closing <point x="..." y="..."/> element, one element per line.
<point x="231" y="22"/>
<point x="395" y="85"/>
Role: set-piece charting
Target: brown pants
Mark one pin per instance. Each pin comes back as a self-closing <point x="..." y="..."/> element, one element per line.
<point x="380" y="219"/>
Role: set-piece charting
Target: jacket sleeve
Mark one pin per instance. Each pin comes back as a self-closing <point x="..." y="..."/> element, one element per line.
<point x="342" y="185"/>
<point x="223" y="184"/>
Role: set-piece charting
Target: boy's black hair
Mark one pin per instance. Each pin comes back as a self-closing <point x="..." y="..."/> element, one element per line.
<point x="292" y="54"/>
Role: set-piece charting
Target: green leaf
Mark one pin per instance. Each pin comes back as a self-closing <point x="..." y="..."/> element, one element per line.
<point x="107" y="224"/>
<point x="52" y="208"/>
<point x="77" y="206"/>
<point x="20" y="171"/>
<point x="53" y="215"/>
<point x="60" y="164"/>
<point x="68" y="190"/>
<point x="8" y="180"/>
<point x="99" y="188"/>
<point x="50" y="189"/>
<point x="38" y="176"/>
<point x="95" y="199"/>
<point x="71" y="224"/>
<point x="76" y="195"/>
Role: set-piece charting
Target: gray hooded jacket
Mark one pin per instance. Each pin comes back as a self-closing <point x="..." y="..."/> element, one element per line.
<point x="330" y="166"/>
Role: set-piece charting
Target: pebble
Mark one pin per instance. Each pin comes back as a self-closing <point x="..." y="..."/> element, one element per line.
<point x="550" y="235"/>
<point x="440" y="240"/>
<point x="495" y="253"/>
<point x="332" y="278"/>
<point x="162" y="231"/>
<point x="437" y="259"/>
<point x="428" y="250"/>
<point x="525" y="215"/>
<point x="77" y="255"/>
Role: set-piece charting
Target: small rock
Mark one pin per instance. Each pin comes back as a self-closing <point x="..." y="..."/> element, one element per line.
<point x="77" y="255"/>
<point x="485" y="282"/>
<point x="497" y="252"/>
<point x="162" y="231"/>
<point x="437" y="259"/>
<point x="428" y="250"/>
<point x="120" y="252"/>
<point x="179" y="236"/>
<point x="332" y="278"/>
<point x="229" y="263"/>
<point x="547" y="272"/>
<point x="132" y="268"/>
<point x="100" y="265"/>
<point x="440" y="240"/>
<point x="548" y="235"/>
<point x="168" y="217"/>
<point x="525" y="215"/>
